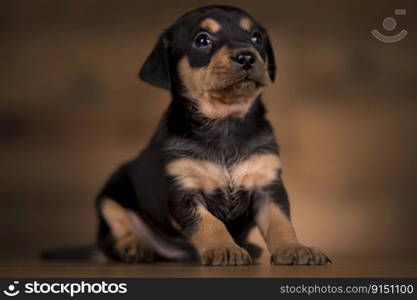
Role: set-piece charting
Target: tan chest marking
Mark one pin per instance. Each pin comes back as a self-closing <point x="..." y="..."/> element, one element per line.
<point x="194" y="174"/>
<point x="257" y="171"/>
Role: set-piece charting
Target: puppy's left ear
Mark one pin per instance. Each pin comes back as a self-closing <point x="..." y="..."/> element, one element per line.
<point x="271" y="59"/>
<point x="155" y="69"/>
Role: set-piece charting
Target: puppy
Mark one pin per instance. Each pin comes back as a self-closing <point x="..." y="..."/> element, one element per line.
<point x="211" y="171"/>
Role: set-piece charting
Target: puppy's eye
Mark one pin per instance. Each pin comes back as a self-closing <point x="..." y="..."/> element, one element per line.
<point x="202" y="40"/>
<point x="257" y="38"/>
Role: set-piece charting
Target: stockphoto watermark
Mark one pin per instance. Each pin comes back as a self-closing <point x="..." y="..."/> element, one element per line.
<point x="64" y="288"/>
<point x="390" y="24"/>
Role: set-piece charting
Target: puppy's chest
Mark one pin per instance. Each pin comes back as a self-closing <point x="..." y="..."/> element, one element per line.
<point x="214" y="177"/>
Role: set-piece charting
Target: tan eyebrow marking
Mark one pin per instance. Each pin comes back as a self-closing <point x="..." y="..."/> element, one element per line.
<point x="245" y="23"/>
<point x="210" y="25"/>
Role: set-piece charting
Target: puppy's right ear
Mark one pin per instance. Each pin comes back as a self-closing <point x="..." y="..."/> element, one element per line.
<point x="155" y="70"/>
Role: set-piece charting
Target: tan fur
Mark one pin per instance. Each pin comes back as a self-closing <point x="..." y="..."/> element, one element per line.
<point x="116" y="217"/>
<point x="210" y="25"/>
<point x="209" y="86"/>
<point x="194" y="174"/>
<point x="257" y="171"/>
<point x="221" y="59"/>
<point x="280" y="238"/>
<point x="210" y="232"/>
<point x="128" y="246"/>
<point x="213" y="242"/>
<point x="245" y="23"/>
<point x="275" y="227"/>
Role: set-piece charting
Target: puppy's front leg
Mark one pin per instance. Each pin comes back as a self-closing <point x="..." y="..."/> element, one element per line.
<point x="281" y="240"/>
<point x="214" y="243"/>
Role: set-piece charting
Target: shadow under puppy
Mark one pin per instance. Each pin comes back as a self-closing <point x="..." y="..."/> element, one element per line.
<point x="212" y="170"/>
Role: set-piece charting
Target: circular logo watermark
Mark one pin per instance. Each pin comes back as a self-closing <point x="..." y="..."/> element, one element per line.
<point x="11" y="290"/>
<point x="389" y="24"/>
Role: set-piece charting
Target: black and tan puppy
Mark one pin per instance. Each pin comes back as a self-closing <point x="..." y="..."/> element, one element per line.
<point x="212" y="169"/>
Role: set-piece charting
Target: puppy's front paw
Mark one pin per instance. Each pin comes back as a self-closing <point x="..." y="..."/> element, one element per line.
<point x="297" y="254"/>
<point x="225" y="256"/>
<point x="131" y="250"/>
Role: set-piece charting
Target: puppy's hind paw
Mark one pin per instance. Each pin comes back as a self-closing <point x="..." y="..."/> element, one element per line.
<point x="130" y="249"/>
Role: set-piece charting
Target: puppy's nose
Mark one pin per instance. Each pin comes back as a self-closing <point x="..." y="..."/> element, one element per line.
<point x="245" y="59"/>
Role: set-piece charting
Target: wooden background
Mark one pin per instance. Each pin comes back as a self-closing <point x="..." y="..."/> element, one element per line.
<point x="344" y="110"/>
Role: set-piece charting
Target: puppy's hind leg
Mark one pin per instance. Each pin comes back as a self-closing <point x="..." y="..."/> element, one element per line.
<point x="127" y="246"/>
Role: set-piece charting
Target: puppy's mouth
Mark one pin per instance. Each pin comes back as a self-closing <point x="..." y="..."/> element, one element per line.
<point x="245" y="82"/>
<point x="237" y="91"/>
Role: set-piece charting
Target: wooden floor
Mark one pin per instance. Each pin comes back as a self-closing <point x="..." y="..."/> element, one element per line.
<point x="341" y="267"/>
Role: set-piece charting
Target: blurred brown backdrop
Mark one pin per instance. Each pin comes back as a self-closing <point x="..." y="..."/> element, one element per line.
<point x="344" y="105"/>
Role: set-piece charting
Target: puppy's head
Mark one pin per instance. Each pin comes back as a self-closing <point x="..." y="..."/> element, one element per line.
<point x="214" y="55"/>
